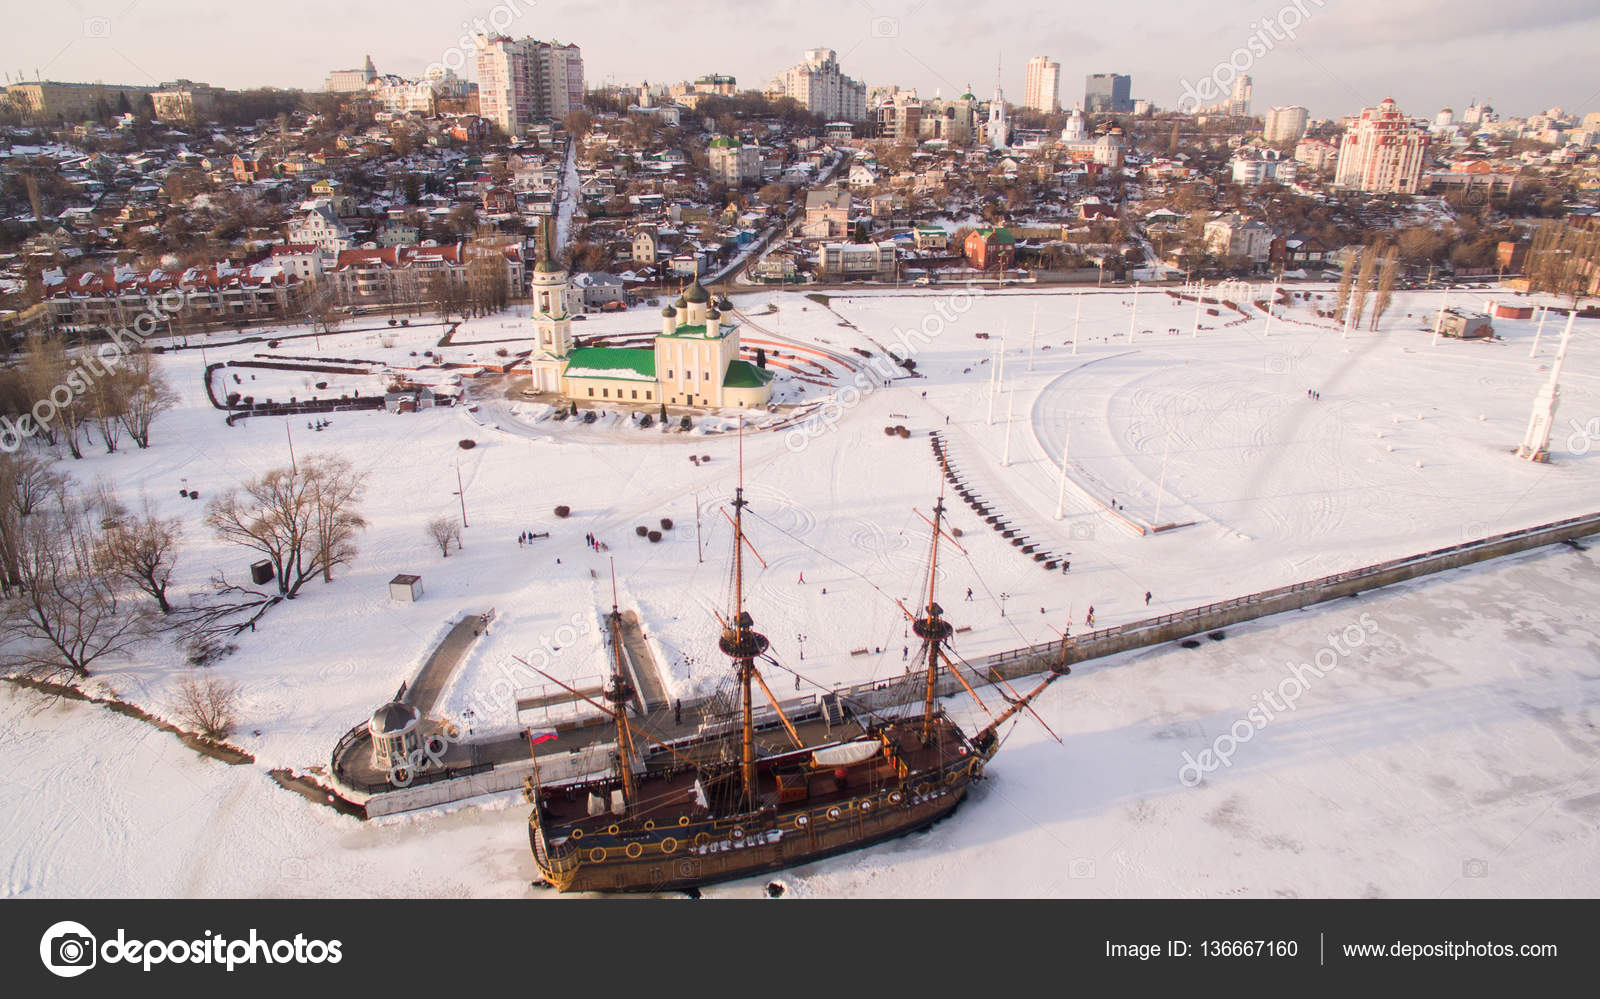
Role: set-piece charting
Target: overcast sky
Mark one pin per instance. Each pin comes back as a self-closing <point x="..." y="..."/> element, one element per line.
<point x="1333" y="57"/>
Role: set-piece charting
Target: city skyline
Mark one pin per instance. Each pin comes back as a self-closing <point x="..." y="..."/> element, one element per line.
<point x="1332" y="60"/>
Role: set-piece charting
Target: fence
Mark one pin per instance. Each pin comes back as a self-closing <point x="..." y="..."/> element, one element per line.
<point x="885" y="698"/>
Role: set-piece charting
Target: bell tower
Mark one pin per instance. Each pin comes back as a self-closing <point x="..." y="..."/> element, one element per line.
<point x="552" y="324"/>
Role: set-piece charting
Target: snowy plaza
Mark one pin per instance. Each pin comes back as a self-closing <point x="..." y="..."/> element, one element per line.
<point x="1450" y="752"/>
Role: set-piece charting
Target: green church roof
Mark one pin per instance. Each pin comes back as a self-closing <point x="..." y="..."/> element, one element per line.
<point x="743" y="374"/>
<point x="620" y="363"/>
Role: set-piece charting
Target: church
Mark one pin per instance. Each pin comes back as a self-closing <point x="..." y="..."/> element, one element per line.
<point x="693" y="361"/>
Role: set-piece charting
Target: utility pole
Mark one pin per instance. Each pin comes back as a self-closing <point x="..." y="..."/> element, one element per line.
<point x="1033" y="342"/>
<point x="1061" y="488"/>
<point x="1438" y="320"/>
<point x="287" y="433"/>
<point x="1161" y="488"/>
<point x="700" y="552"/>
<point x="1133" y="317"/>
<point x="1199" y="300"/>
<point x="1011" y="399"/>
<point x="1000" y="377"/>
<point x="1077" y="317"/>
<point x="461" y="493"/>
<point x="1544" y="311"/>
<point x="994" y="372"/>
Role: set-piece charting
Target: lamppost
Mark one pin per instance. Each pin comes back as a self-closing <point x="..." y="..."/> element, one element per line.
<point x="1003" y="598"/>
<point x="461" y="492"/>
<point x="801" y="641"/>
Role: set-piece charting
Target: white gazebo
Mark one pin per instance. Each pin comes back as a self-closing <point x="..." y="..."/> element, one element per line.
<point x="395" y="737"/>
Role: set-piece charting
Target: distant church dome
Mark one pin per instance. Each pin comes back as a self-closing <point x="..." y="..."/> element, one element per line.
<point x="697" y="293"/>
<point x="547" y="266"/>
<point x="669" y="311"/>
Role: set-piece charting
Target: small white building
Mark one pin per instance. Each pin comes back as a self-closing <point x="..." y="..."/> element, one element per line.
<point x="405" y="587"/>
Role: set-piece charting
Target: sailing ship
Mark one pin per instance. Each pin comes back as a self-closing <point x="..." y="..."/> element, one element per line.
<point x="719" y="809"/>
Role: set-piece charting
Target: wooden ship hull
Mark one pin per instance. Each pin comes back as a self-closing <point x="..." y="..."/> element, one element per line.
<point x="678" y="845"/>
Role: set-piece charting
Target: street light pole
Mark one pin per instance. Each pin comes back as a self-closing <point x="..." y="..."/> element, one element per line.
<point x="461" y="493"/>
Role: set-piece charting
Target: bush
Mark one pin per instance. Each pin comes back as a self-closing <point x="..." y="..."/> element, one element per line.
<point x="902" y="431"/>
<point x="233" y="399"/>
<point x="467" y="443"/>
<point x="654" y="536"/>
<point x="501" y="352"/>
<point x="405" y="322"/>
<point x="209" y="706"/>
<point x="272" y="343"/>
<point x="666" y="523"/>
<point x="322" y="386"/>
<point x="641" y="530"/>
<point x="685" y="423"/>
<point x="647" y="421"/>
<point x="393" y="322"/>
<point x="563" y="511"/>
<point x="888" y="431"/>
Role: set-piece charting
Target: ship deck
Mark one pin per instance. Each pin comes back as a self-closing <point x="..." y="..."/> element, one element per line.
<point x="669" y="793"/>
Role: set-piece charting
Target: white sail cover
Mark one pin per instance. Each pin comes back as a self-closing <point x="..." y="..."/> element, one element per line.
<point x="844" y="754"/>
<point x="597" y="804"/>
<point x="618" y="805"/>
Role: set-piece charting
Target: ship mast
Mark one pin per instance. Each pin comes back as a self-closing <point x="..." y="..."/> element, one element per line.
<point x="618" y="691"/>
<point x="741" y="642"/>
<point x="931" y="627"/>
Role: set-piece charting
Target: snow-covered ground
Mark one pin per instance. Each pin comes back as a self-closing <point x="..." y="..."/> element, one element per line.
<point x="1452" y="752"/>
<point x="1280" y="487"/>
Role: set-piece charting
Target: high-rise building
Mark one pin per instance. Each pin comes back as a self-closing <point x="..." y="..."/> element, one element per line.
<point x="1043" y="90"/>
<point x="1382" y="151"/>
<point x="1239" y="99"/>
<point x="1108" y="92"/>
<point x="817" y="83"/>
<point x="523" y="81"/>
<point x="1286" y="124"/>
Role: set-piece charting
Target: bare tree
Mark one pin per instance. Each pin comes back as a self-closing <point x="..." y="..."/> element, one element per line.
<point x="302" y="519"/>
<point x="107" y="406"/>
<point x="1352" y="259"/>
<point x="145" y="396"/>
<point x="1386" y="278"/>
<point x="445" y="531"/>
<point x="1564" y="259"/>
<point x="209" y="705"/>
<point x="1363" y="285"/>
<point x="67" y="614"/>
<point x="143" y="550"/>
<point x="26" y="483"/>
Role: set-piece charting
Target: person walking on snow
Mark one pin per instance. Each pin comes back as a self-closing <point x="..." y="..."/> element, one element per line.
<point x="969" y="594"/>
<point x="1147" y="598"/>
<point x="802" y="577"/>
